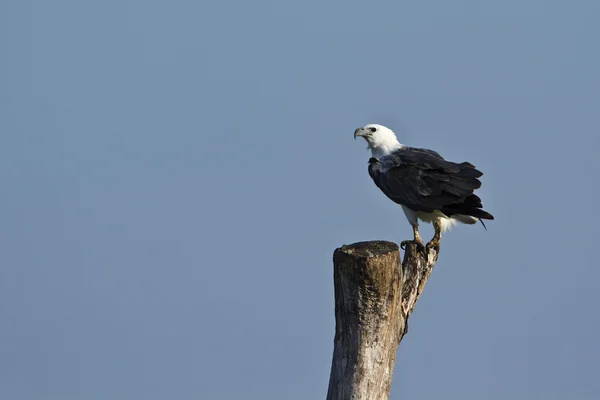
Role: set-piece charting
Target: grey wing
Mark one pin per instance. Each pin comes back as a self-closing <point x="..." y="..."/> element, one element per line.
<point x="422" y="180"/>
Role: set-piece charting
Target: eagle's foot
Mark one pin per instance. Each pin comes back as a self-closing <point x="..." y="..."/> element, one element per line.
<point x="434" y="244"/>
<point x="417" y="242"/>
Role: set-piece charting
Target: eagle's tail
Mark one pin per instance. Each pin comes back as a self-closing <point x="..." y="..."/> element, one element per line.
<point x="469" y="211"/>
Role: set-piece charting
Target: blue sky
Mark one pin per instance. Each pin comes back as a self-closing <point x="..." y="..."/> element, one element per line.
<point x="176" y="175"/>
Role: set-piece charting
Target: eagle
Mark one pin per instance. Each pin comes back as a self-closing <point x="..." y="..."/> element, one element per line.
<point x="428" y="187"/>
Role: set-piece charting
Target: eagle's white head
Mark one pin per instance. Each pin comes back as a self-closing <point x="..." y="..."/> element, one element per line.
<point x="381" y="140"/>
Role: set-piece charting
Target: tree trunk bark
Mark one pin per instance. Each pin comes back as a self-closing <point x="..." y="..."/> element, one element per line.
<point x="374" y="297"/>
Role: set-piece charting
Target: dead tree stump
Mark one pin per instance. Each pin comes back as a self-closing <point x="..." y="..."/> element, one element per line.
<point x="374" y="297"/>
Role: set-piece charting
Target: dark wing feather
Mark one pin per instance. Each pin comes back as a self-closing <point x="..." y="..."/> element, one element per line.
<point x="422" y="180"/>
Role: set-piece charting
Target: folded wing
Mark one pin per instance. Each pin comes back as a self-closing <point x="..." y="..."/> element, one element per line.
<point x="422" y="180"/>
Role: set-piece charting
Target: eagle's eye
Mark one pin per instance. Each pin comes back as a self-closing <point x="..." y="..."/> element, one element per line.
<point x="373" y="129"/>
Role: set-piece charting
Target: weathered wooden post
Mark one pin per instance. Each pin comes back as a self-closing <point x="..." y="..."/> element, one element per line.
<point x="374" y="297"/>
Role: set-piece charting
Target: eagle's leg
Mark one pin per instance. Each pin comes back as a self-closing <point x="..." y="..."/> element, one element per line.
<point x="417" y="240"/>
<point x="435" y="241"/>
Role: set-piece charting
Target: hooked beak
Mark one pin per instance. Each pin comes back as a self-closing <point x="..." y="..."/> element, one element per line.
<point x="359" y="132"/>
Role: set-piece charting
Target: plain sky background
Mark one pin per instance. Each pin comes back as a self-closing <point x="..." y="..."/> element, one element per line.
<point x="175" y="177"/>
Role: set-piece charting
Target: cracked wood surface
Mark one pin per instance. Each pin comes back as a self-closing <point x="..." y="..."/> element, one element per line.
<point x="374" y="297"/>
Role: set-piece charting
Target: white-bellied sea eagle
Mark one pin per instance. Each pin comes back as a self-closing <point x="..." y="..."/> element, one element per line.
<point x="427" y="187"/>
